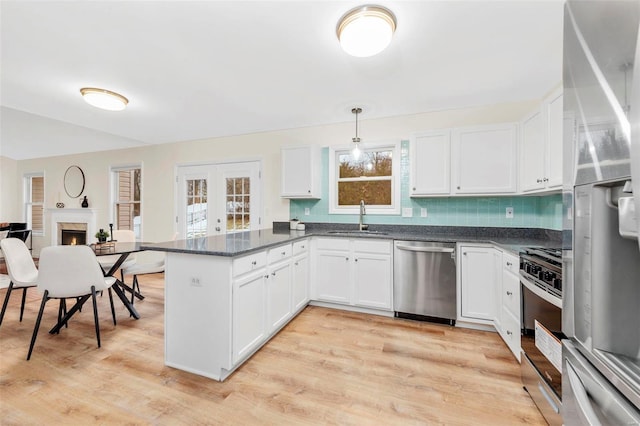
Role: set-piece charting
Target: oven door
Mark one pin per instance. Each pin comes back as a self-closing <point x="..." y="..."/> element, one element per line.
<point x="541" y="349"/>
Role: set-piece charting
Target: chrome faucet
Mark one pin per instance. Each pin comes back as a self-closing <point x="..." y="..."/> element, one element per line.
<point x="363" y="211"/>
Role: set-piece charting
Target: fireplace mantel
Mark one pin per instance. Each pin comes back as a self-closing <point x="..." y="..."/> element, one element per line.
<point x="87" y="216"/>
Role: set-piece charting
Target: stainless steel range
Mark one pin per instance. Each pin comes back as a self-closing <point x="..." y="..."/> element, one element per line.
<point x="541" y="366"/>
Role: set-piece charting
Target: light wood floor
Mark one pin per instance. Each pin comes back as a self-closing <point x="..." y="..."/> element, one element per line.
<point x="325" y="367"/>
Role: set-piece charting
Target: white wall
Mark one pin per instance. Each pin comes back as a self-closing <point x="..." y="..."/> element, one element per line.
<point x="10" y="185"/>
<point x="159" y="163"/>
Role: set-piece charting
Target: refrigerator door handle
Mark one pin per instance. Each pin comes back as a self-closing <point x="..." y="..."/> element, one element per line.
<point x="582" y="399"/>
<point x="634" y="120"/>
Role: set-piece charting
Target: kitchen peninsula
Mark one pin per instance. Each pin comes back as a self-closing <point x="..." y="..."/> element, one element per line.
<point x="225" y="296"/>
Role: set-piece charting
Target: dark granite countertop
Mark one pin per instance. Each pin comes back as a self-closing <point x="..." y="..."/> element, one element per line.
<point x="509" y="239"/>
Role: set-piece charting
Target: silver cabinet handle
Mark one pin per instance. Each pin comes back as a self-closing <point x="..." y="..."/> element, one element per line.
<point x="266" y="276"/>
<point x="254" y="263"/>
<point x="273" y="274"/>
<point x="296" y="264"/>
<point x="356" y="259"/>
<point x="217" y="228"/>
<point x="426" y="249"/>
<point x="509" y="293"/>
<point x="346" y="258"/>
<point x="509" y="333"/>
<point x="509" y="263"/>
<point x="284" y="253"/>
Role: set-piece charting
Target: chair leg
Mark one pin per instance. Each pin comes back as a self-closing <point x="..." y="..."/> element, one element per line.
<point x="113" y="310"/>
<point x="24" y="298"/>
<point x="6" y="301"/>
<point x="95" y="312"/>
<point x="45" y="297"/>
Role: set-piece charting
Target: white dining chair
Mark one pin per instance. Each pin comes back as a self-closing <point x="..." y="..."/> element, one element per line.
<point x="144" y="268"/>
<point x="125" y="236"/>
<point x="70" y="272"/>
<point x="21" y="269"/>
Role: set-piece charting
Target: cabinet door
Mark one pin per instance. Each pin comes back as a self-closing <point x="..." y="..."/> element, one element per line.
<point x="430" y="156"/>
<point x="485" y="159"/>
<point x="278" y="295"/>
<point x="555" y="132"/>
<point x="372" y="279"/>
<point x="248" y="314"/>
<point x="333" y="276"/>
<point x="533" y="152"/>
<point x="478" y="278"/>
<point x="300" y="282"/>
<point x="300" y="170"/>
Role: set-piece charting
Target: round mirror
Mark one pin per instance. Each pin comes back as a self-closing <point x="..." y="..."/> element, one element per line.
<point x="74" y="181"/>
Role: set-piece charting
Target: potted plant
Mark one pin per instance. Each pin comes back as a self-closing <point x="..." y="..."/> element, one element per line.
<point x="102" y="236"/>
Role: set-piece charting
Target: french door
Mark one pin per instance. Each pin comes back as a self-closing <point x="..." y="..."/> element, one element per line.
<point x="216" y="199"/>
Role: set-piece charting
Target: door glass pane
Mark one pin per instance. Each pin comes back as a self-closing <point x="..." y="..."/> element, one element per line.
<point x="196" y="202"/>
<point x="238" y="197"/>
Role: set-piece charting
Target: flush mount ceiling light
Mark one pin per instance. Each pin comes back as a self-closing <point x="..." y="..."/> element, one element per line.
<point x="356" y="140"/>
<point x="104" y="99"/>
<point x="366" y="30"/>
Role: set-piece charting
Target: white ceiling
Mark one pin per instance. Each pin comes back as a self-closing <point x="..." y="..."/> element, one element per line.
<point x="202" y="69"/>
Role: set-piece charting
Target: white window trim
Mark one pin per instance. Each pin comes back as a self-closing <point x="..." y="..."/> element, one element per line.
<point x="26" y="194"/>
<point x="114" y="191"/>
<point x="395" y="207"/>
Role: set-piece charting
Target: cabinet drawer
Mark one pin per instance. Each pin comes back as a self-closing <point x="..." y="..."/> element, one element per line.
<point x="511" y="263"/>
<point x="372" y="246"/>
<point x="510" y="332"/>
<point x="300" y="246"/>
<point x="248" y="263"/>
<point x="279" y="253"/>
<point x="511" y="293"/>
<point x="332" y="244"/>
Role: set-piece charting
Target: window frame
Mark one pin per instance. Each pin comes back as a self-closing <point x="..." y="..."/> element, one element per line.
<point x="334" y="170"/>
<point x="28" y="201"/>
<point x="114" y="170"/>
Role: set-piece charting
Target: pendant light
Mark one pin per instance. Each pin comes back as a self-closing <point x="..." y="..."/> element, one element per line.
<point x="356" y="140"/>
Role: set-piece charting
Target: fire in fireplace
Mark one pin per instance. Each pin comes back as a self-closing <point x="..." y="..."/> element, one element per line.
<point x="74" y="237"/>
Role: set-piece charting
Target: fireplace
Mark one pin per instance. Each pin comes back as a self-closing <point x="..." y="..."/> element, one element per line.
<point x="72" y="233"/>
<point x="67" y="224"/>
<point x="73" y="238"/>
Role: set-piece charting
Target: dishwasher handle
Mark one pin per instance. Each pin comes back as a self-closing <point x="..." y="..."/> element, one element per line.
<point x="426" y="249"/>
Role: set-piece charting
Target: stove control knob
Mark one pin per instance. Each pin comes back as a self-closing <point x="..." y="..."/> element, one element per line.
<point x="541" y="275"/>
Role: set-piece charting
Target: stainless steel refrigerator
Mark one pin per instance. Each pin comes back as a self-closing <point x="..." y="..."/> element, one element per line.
<point x="601" y="195"/>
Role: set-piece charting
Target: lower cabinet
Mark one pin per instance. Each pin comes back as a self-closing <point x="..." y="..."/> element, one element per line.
<point x="479" y="275"/>
<point x="278" y="281"/>
<point x="300" y="282"/>
<point x="355" y="272"/>
<point x="249" y="313"/>
<point x="510" y="303"/>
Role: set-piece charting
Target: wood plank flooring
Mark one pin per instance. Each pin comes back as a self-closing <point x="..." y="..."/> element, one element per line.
<point x="325" y="367"/>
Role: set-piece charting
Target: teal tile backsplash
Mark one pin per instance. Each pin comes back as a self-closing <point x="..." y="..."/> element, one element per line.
<point x="528" y="211"/>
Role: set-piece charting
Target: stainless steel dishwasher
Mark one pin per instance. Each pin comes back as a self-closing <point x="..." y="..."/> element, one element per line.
<point x="424" y="281"/>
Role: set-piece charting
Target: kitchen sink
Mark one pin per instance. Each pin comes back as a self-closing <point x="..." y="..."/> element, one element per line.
<point x="356" y="232"/>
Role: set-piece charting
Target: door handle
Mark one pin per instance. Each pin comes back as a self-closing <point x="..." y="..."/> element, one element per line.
<point x="425" y="249"/>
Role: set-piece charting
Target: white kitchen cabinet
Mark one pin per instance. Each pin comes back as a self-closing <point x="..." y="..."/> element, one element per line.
<point x="485" y="159"/>
<point x="541" y="152"/>
<point x="430" y="158"/>
<point x="509" y="311"/>
<point x="356" y="272"/>
<point x="479" y="273"/>
<point x="372" y="274"/>
<point x="249" y="313"/>
<point x="300" y="275"/>
<point x="333" y="276"/>
<point x="553" y="106"/>
<point x="300" y="170"/>
<point x="278" y="295"/>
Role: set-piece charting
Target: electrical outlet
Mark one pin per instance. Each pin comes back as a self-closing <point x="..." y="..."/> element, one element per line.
<point x="407" y="212"/>
<point x="307" y="212"/>
<point x="509" y="213"/>
<point x="423" y="212"/>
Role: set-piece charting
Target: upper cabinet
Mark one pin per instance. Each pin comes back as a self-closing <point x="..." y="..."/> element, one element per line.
<point x="541" y="159"/>
<point x="430" y="155"/>
<point x="301" y="172"/>
<point x="485" y="159"/>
